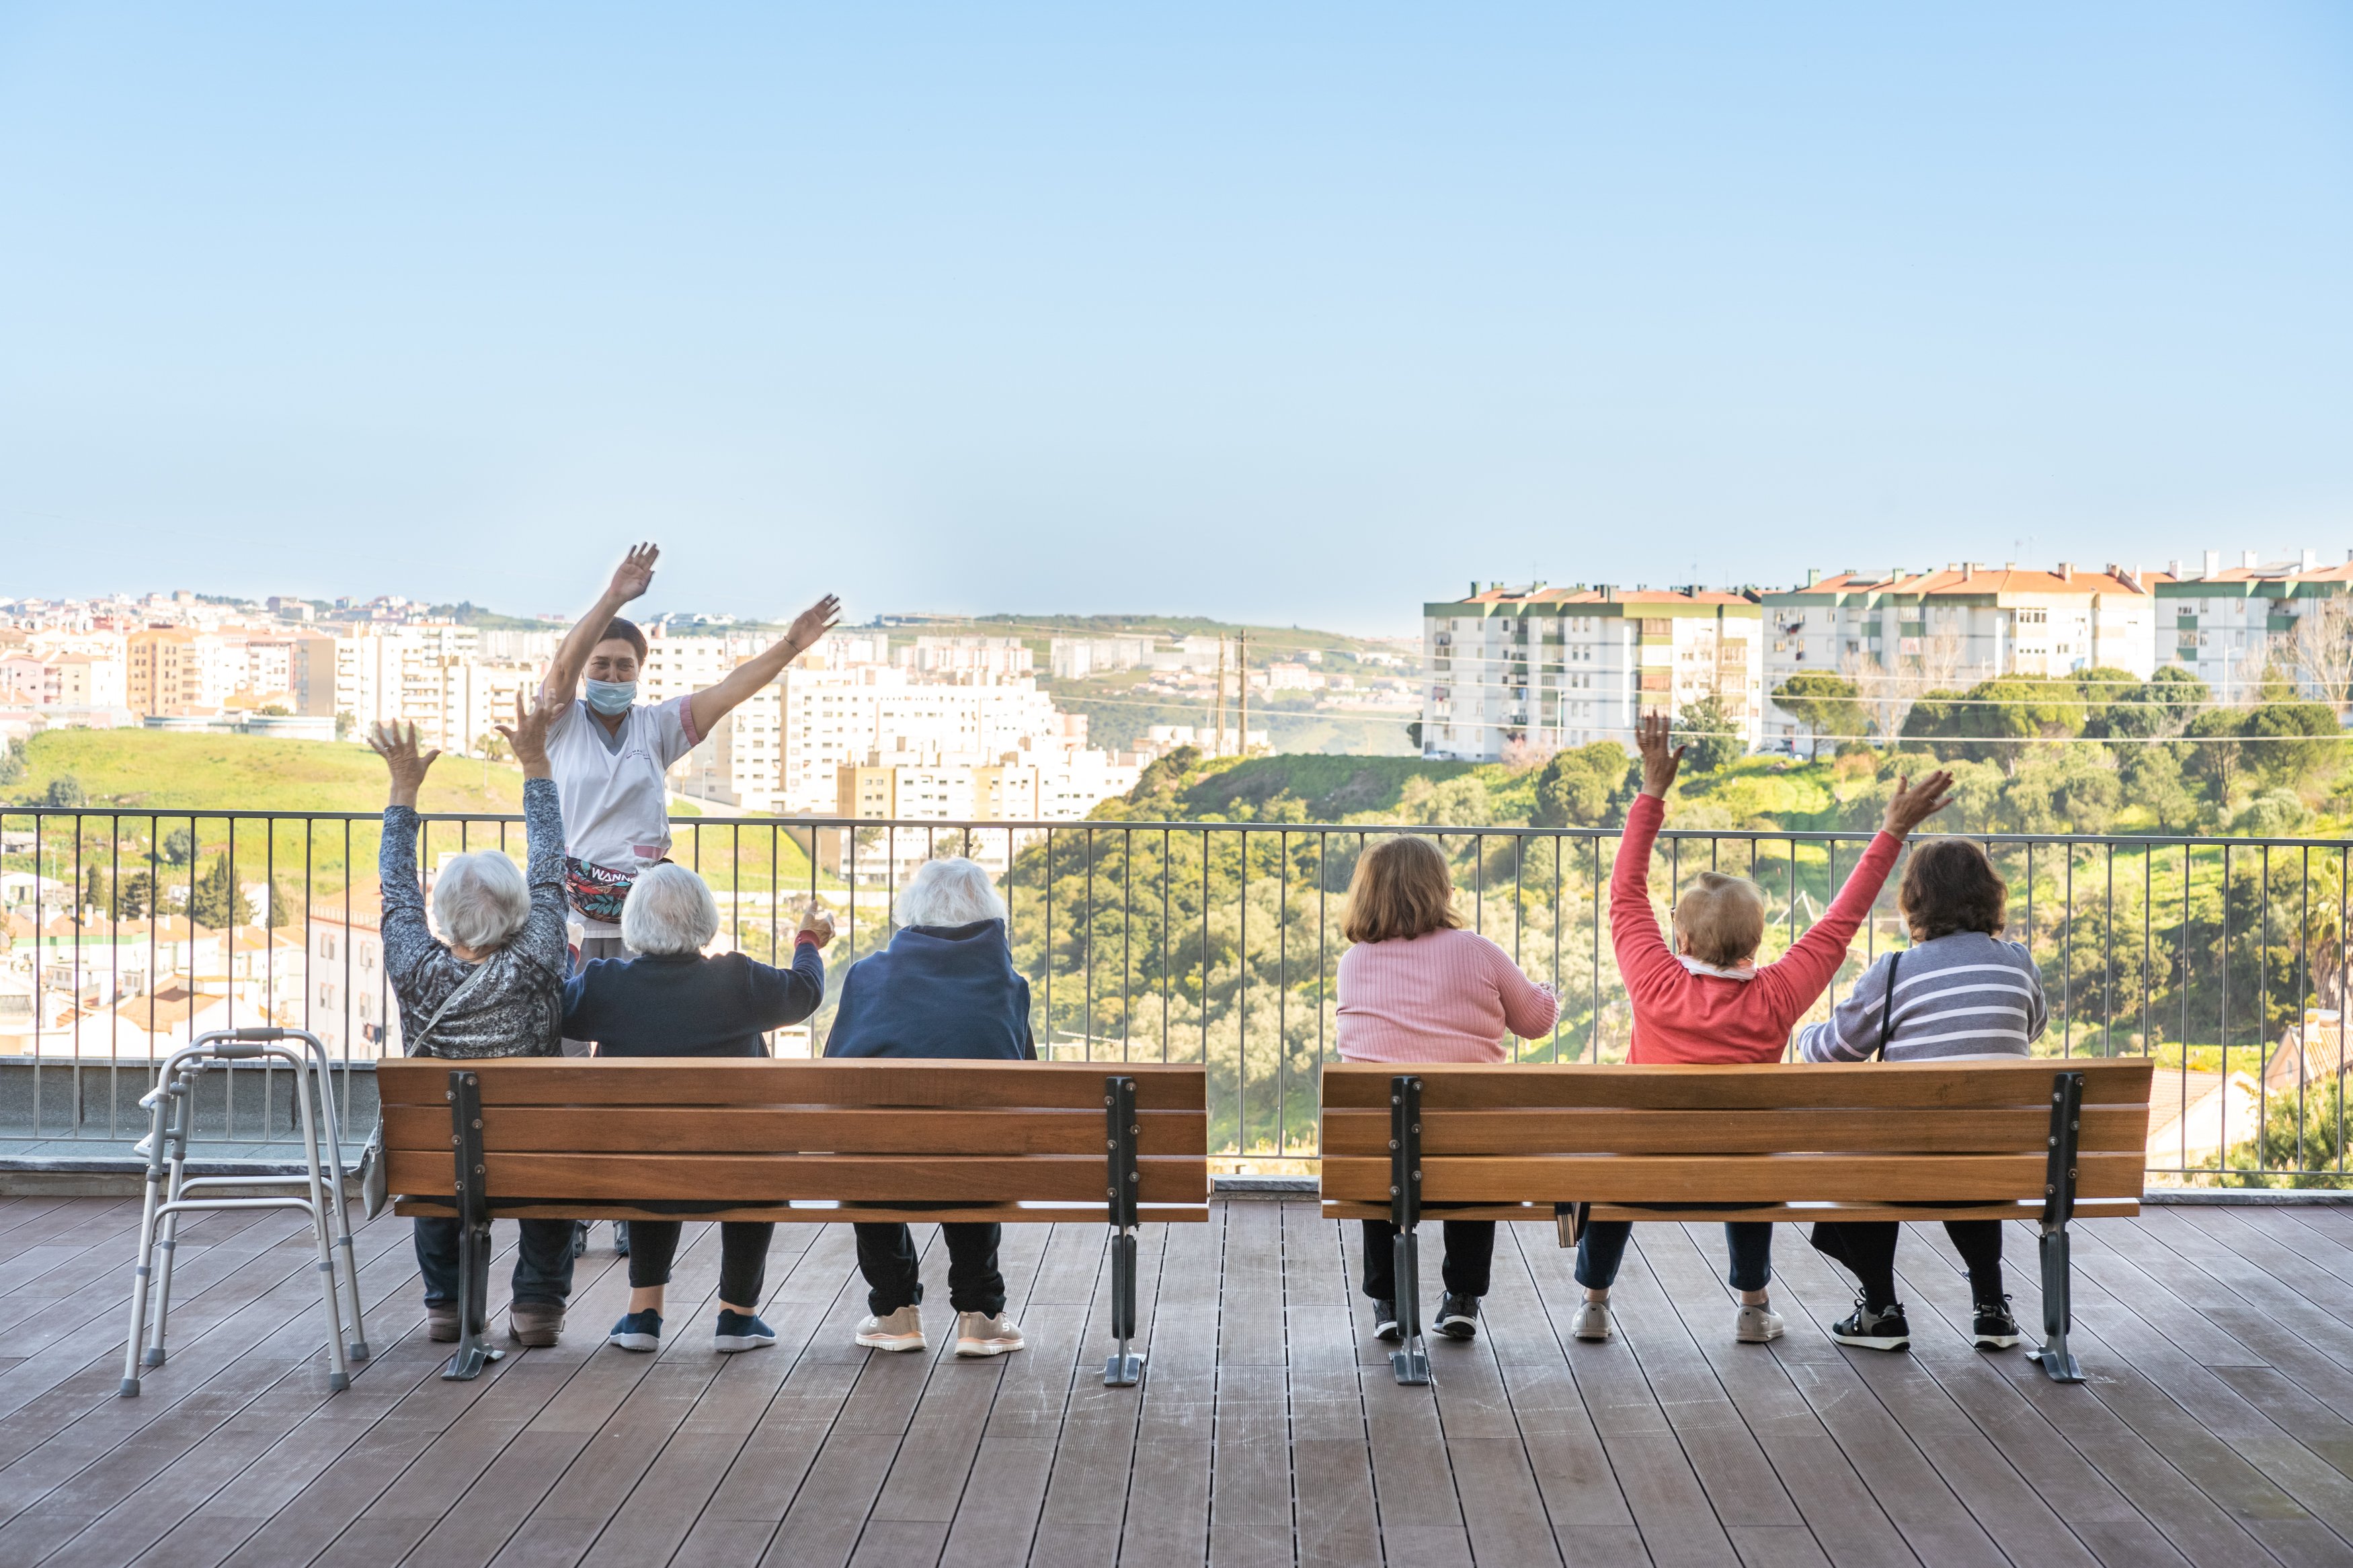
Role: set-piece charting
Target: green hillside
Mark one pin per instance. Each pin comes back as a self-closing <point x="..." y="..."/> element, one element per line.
<point x="151" y="770"/>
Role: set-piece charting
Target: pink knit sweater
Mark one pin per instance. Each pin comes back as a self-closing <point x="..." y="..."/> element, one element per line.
<point x="1442" y="997"/>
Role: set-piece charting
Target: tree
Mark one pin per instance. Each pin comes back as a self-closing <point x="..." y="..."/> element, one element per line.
<point x="1582" y="787"/>
<point x="2322" y="651"/>
<point x="134" y="896"/>
<point x="1995" y="719"/>
<point x="2214" y="752"/>
<point x="1881" y="693"/>
<point x="1413" y="735"/>
<point x="2152" y="779"/>
<point x="179" y="847"/>
<point x="281" y="908"/>
<point x="2288" y="741"/>
<point x="2064" y="790"/>
<point x="64" y="791"/>
<point x="93" y="889"/>
<point x="1710" y="734"/>
<point x="2158" y="706"/>
<point x="220" y="903"/>
<point x="1823" y="703"/>
<point x="2274" y="813"/>
<point x="343" y="724"/>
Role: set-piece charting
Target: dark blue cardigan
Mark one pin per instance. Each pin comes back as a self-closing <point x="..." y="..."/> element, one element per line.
<point x="655" y="1005"/>
<point x="936" y="990"/>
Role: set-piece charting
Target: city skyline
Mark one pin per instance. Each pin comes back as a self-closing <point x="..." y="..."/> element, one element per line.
<point x="1054" y="304"/>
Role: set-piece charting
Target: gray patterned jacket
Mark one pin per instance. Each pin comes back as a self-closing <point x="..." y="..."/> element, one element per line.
<point x="517" y="1007"/>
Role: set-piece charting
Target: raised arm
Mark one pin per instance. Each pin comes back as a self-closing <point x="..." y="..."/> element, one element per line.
<point x="632" y="578"/>
<point x="713" y="703"/>
<point x="1800" y="974"/>
<point x="543" y="937"/>
<point x="407" y="937"/>
<point x="1644" y="960"/>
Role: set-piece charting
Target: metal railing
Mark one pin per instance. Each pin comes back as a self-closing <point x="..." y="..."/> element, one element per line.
<point x="2224" y="960"/>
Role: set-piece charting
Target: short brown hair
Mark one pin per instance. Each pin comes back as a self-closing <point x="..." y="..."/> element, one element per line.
<point x="1721" y="919"/>
<point x="1948" y="886"/>
<point x="1401" y="888"/>
<point x="618" y="630"/>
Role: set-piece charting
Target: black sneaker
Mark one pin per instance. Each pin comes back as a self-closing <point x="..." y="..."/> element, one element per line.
<point x="1385" y="1322"/>
<point x="1873" y="1331"/>
<point x="1458" y="1316"/>
<point x="1995" y="1329"/>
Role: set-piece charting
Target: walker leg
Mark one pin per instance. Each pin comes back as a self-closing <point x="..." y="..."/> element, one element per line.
<point x="183" y="1105"/>
<point x="141" y="1271"/>
<point x="339" y="1374"/>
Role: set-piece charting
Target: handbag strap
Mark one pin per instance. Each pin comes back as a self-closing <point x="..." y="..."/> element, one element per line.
<point x="1887" y="1008"/>
<point x="423" y="1046"/>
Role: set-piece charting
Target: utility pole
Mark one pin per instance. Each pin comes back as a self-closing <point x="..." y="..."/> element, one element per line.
<point x="1241" y="686"/>
<point x="1221" y="698"/>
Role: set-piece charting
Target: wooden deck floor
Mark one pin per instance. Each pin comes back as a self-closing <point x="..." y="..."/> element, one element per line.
<point x="2217" y="1427"/>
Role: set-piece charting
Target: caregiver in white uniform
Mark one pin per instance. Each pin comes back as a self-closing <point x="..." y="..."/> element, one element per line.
<point x="609" y="753"/>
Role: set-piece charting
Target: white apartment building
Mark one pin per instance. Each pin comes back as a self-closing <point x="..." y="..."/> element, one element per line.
<point x="2226" y="625"/>
<point x="421" y="673"/>
<point x="1564" y="666"/>
<point x="968" y="659"/>
<point x="178" y="670"/>
<point x="1937" y="631"/>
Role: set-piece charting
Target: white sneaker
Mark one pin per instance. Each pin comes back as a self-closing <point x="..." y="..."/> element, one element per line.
<point x="1592" y="1319"/>
<point x="902" y="1330"/>
<point x="977" y="1333"/>
<point x="1757" y="1325"/>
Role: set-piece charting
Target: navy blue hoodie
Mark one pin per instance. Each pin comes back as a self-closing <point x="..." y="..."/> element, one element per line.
<point x="936" y="990"/>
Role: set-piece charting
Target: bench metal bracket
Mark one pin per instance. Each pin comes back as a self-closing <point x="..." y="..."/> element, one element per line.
<point x="2058" y="1209"/>
<point x="473" y="1351"/>
<point x="1122" y="1183"/>
<point x="1410" y="1362"/>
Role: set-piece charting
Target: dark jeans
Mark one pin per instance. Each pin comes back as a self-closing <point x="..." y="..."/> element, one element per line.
<point x="742" y="1257"/>
<point x="1603" y="1247"/>
<point x="886" y="1256"/>
<point x="1470" y="1252"/>
<point x="1868" y="1249"/>
<point x="542" y="1270"/>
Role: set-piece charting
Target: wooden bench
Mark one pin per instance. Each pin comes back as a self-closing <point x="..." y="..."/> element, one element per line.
<point x="2034" y="1139"/>
<point x="795" y="1140"/>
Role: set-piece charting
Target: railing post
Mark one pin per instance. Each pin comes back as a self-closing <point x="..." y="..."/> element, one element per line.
<point x="473" y="1351"/>
<point x="1121" y="1180"/>
<point x="1411" y="1361"/>
<point x="2058" y="1209"/>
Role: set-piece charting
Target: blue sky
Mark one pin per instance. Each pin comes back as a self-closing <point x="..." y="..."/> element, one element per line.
<point x="1292" y="314"/>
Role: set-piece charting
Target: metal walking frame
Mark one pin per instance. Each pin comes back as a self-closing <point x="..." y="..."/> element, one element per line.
<point x="172" y="1104"/>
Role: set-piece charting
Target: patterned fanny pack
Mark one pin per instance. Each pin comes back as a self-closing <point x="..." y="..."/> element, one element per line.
<point x="597" y="891"/>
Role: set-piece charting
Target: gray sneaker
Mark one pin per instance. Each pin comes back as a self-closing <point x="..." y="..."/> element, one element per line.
<point x="1592" y="1319"/>
<point x="899" y="1330"/>
<point x="977" y="1333"/>
<point x="1757" y="1325"/>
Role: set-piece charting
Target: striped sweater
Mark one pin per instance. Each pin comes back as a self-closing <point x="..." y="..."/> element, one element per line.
<point x="1966" y="994"/>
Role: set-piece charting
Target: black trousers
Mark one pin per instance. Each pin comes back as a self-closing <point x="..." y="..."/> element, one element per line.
<point x="543" y="1266"/>
<point x="1470" y="1254"/>
<point x="1868" y="1249"/>
<point x="742" y="1257"/>
<point x="886" y="1256"/>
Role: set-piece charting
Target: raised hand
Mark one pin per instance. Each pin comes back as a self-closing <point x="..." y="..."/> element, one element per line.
<point x="397" y="744"/>
<point x="528" y="734"/>
<point x="1914" y="804"/>
<point x="818" y="921"/>
<point x="812" y="624"/>
<point x="1659" y="762"/>
<point x="635" y="574"/>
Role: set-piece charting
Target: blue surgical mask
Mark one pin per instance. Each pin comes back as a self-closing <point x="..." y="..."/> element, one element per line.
<point x="611" y="696"/>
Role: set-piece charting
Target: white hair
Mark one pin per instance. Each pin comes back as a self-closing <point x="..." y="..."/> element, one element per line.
<point x="951" y="893"/>
<point x="669" y="912"/>
<point x="479" y="901"/>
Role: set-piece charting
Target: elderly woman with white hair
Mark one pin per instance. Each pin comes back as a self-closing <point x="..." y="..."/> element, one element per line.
<point x="669" y="1000"/>
<point x="492" y="985"/>
<point x="944" y="987"/>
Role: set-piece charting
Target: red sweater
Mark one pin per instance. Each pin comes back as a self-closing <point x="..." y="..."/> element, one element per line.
<point x="1680" y="1017"/>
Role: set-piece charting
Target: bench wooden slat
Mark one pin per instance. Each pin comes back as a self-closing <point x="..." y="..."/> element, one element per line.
<point x="1781" y="1214"/>
<point x="737" y="1130"/>
<point x="756" y="1080"/>
<point x="1669" y="1178"/>
<point x="1771" y="1085"/>
<point x="2105" y="1127"/>
<point x="775" y="1213"/>
<point x="755" y="1178"/>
